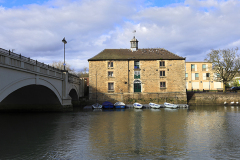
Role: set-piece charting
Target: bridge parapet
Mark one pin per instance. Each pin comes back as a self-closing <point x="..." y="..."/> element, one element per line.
<point x="73" y="79"/>
<point x="18" y="61"/>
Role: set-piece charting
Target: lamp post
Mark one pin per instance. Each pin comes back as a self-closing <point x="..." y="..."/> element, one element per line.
<point x="65" y="42"/>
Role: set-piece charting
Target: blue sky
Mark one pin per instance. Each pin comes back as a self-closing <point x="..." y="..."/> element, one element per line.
<point x="188" y="28"/>
<point x="19" y="3"/>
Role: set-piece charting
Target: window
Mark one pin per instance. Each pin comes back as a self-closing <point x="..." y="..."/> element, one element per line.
<point x="110" y="73"/>
<point x="207" y="76"/>
<point x="162" y="84"/>
<point x="204" y="67"/>
<point x="162" y="73"/>
<point x="136" y="74"/>
<point x="162" y="63"/>
<point x="136" y="65"/>
<point x="110" y="86"/>
<point x="196" y="76"/>
<point x="110" y="64"/>
<point x="193" y="67"/>
<point x="186" y="76"/>
<point x="218" y="75"/>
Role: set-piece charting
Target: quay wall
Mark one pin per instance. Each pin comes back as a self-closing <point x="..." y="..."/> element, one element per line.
<point x="215" y="98"/>
<point x="145" y="98"/>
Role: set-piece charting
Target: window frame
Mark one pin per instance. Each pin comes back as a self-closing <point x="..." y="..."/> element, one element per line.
<point x="165" y="85"/>
<point x="110" y="75"/>
<point x="136" y="66"/>
<point x="193" y="68"/>
<point x="162" y="71"/>
<point x="135" y="75"/>
<point x="110" y="64"/>
<point x="204" y="69"/>
<point x="161" y="63"/>
<point x="109" y="87"/>
<point x="207" y="76"/>
<point x="196" y="78"/>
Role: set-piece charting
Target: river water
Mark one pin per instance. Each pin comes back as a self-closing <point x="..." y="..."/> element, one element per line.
<point x="195" y="133"/>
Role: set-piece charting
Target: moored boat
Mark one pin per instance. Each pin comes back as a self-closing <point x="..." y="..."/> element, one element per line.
<point x="137" y="105"/>
<point x="107" y="105"/>
<point x="96" y="105"/>
<point x="119" y="105"/>
<point x="154" y="105"/>
<point x="169" y="105"/>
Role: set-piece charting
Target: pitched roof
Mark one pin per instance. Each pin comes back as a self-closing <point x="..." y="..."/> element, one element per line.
<point x="140" y="54"/>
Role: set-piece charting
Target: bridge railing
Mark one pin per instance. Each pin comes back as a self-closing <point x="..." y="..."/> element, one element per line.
<point x="17" y="60"/>
<point x="73" y="78"/>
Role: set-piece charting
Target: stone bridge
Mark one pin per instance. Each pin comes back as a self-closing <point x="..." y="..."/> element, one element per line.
<point x="27" y="84"/>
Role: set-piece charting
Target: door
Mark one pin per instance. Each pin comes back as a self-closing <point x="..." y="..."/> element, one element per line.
<point x="137" y="86"/>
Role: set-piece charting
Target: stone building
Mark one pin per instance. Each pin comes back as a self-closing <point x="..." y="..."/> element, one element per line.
<point x="199" y="75"/>
<point x="137" y="75"/>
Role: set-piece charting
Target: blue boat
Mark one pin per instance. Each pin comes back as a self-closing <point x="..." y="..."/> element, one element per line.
<point x="107" y="105"/>
<point x="120" y="105"/>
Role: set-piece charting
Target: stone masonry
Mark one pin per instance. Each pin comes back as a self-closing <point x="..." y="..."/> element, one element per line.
<point x="123" y="80"/>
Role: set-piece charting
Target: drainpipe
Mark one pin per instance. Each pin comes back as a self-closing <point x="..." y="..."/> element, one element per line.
<point x="128" y="76"/>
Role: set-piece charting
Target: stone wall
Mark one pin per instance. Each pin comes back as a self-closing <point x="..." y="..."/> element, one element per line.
<point x="123" y="79"/>
<point x="144" y="98"/>
<point x="213" y="98"/>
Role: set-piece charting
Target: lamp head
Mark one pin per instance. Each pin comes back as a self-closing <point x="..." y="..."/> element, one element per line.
<point x="64" y="41"/>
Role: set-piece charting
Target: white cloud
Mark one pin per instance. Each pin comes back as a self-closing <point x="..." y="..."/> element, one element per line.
<point x="188" y="29"/>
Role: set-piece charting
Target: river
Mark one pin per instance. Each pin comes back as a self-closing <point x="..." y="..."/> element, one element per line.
<point x="203" y="132"/>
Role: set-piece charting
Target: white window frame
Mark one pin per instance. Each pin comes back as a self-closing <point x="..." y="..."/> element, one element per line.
<point x="162" y="73"/>
<point x="110" y="64"/>
<point x="109" y="75"/>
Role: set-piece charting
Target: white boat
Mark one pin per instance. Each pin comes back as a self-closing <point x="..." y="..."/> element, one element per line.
<point x="119" y="105"/>
<point x="154" y="105"/>
<point x="169" y="105"/>
<point x="137" y="105"/>
<point x="97" y="105"/>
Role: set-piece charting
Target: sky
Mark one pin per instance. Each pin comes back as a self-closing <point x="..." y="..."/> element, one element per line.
<point x="188" y="28"/>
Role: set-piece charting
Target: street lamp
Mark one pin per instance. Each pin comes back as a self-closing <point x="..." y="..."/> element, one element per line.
<point x="65" y="42"/>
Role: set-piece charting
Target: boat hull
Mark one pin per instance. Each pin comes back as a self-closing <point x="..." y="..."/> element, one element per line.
<point x="96" y="106"/>
<point x="137" y="105"/>
<point x="154" y="105"/>
<point x="119" y="107"/>
<point x="169" y="105"/>
<point x="108" y="106"/>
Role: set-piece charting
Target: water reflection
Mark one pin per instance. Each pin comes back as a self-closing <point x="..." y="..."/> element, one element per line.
<point x="199" y="132"/>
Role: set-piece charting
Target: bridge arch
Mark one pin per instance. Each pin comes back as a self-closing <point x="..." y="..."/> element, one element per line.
<point x="26" y="81"/>
<point x="73" y="87"/>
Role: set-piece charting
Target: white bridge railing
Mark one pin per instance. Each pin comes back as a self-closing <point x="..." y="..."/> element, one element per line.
<point x="19" y="61"/>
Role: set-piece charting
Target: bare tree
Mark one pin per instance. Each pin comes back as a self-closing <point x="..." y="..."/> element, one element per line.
<point x="59" y="65"/>
<point x="225" y="64"/>
<point x="83" y="73"/>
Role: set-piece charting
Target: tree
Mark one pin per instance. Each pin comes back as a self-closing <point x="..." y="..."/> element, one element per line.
<point x="236" y="83"/>
<point x="83" y="73"/>
<point x="59" y="65"/>
<point x="225" y="64"/>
